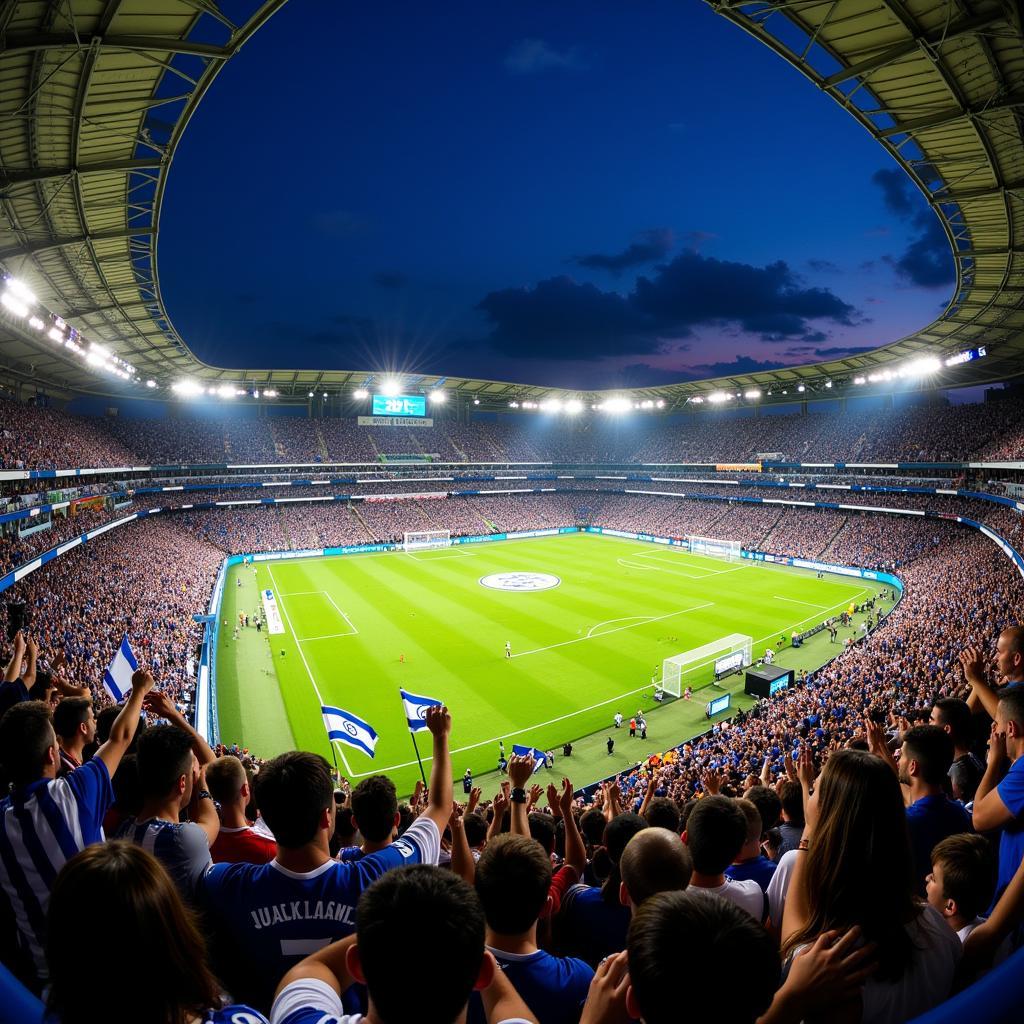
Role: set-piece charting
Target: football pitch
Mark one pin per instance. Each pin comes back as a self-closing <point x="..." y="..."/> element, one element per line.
<point x="356" y="628"/>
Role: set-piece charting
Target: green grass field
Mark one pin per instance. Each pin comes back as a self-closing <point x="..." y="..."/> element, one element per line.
<point x="581" y="650"/>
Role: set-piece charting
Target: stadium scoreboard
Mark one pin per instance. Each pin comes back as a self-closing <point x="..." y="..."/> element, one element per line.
<point x="399" y="405"/>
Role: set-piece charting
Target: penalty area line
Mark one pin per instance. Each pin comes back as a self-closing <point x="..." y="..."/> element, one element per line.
<point x="618" y="629"/>
<point x="312" y="681"/>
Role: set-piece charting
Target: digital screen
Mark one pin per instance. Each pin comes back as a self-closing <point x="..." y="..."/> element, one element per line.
<point x="779" y="684"/>
<point x="730" y="663"/>
<point x="399" y="405"/>
<point x="719" y="704"/>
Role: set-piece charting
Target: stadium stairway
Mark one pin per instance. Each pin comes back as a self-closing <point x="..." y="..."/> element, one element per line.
<point x="835" y="537"/>
<point x="354" y="509"/>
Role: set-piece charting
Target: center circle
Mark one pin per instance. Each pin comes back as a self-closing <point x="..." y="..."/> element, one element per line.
<point x="522" y="582"/>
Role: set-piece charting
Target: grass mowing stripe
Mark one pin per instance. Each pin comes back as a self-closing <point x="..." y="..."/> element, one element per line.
<point x="452" y="632"/>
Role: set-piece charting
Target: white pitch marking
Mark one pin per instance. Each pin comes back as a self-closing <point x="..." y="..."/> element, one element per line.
<point x="312" y="681"/>
<point x="618" y="629"/>
<point x="793" y="600"/>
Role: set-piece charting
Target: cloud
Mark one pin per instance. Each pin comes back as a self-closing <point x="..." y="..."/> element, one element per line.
<point x="738" y="366"/>
<point x="653" y="244"/>
<point x="562" y="319"/>
<point x="824" y="266"/>
<point x="535" y="56"/>
<point x="769" y="300"/>
<point x="389" y="279"/>
<point x="927" y="260"/>
<point x="897" y="191"/>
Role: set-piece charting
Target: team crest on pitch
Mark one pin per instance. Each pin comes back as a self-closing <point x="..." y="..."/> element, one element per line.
<point x="523" y="582"/>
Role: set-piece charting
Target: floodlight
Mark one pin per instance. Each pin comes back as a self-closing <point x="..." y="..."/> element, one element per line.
<point x="859" y="380"/>
<point x="660" y="403"/>
<point x="22" y="291"/>
<point x="438" y="396"/>
<point x="272" y="393"/>
<point x="513" y="405"/>
<point x="150" y="383"/>
<point x="94" y="359"/>
<point x="360" y="393"/>
<point x="55" y="334"/>
<point x="35" y="323"/>
<point x="616" y="405"/>
<point x="187" y="387"/>
<point x="573" y="406"/>
<point x="391" y="388"/>
<point x="921" y="367"/>
<point x="13" y="304"/>
<point x="718" y="397"/>
<point x="828" y="383"/>
<point x="476" y="401"/>
<point x="697" y="399"/>
<point x="801" y="389"/>
<point x="311" y="394"/>
<point x="752" y="393"/>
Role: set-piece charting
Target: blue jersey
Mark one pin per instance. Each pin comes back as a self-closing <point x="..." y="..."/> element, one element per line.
<point x="592" y="928"/>
<point x="264" y="918"/>
<point x="553" y="987"/>
<point x="42" y="825"/>
<point x="1011" y="842"/>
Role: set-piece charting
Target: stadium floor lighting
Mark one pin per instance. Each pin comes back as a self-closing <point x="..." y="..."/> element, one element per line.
<point x="438" y="396"/>
<point x="21" y="290"/>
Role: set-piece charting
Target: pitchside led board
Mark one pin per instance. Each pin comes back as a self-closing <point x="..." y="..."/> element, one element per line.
<point x="399" y="405"/>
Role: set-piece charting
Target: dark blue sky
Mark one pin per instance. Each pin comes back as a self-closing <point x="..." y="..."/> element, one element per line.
<point x="583" y="194"/>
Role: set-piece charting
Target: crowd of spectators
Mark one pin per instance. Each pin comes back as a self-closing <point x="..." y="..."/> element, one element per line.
<point x="823" y="845"/>
<point x="33" y="436"/>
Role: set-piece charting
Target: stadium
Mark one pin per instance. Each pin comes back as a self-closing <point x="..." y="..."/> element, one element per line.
<point x="610" y="686"/>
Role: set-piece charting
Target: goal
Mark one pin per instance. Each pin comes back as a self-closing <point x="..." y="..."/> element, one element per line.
<point x="727" y="549"/>
<point x="729" y="654"/>
<point x="423" y="540"/>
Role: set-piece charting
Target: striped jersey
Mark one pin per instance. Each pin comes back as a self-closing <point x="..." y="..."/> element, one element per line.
<point x="182" y="847"/>
<point x="42" y="825"/>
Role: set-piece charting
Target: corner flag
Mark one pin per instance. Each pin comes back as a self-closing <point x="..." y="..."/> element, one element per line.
<point x="117" y="679"/>
<point x="539" y="757"/>
<point x="416" y="709"/>
<point x="346" y="728"/>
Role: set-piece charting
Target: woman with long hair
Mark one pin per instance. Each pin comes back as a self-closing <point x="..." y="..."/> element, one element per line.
<point x="854" y="867"/>
<point x="113" y="906"/>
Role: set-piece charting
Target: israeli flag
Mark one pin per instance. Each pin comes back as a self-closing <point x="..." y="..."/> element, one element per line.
<point x="346" y="728"/>
<point x="539" y="757"/>
<point x="416" y="709"/>
<point x="117" y="680"/>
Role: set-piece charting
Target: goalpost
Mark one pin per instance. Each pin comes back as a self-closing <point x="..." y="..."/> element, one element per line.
<point x="729" y="654"/>
<point x="716" y="548"/>
<point x="424" y="540"/>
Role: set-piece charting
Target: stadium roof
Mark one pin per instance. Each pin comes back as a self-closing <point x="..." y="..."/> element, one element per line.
<point x="95" y="95"/>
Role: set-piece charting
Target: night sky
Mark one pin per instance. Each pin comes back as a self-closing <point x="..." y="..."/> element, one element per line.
<point x="576" y="194"/>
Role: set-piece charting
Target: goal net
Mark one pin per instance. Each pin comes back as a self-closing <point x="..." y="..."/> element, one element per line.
<point x="730" y="654"/>
<point x="727" y="549"/>
<point x="423" y="540"/>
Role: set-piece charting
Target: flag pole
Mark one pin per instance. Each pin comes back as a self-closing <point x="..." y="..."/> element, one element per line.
<point x="415" y="747"/>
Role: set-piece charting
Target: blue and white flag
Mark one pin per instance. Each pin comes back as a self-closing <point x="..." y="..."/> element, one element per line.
<point x="117" y="680"/>
<point x="539" y="757"/>
<point x="416" y="709"/>
<point x="346" y="728"/>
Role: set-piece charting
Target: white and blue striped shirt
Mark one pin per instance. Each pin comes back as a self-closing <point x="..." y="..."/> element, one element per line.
<point x="42" y="825"/>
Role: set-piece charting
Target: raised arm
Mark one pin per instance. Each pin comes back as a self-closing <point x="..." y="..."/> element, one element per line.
<point x="160" y="704"/>
<point x="575" y="849"/>
<point x="983" y="696"/>
<point x="989" y="810"/>
<point x="462" y="857"/>
<point x="13" y="669"/>
<point x="31" y="661"/>
<point x="520" y="768"/>
<point x="796" y="913"/>
<point x="329" y="965"/>
<point x="122" y="732"/>
<point x="202" y="811"/>
<point x="439" y="790"/>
